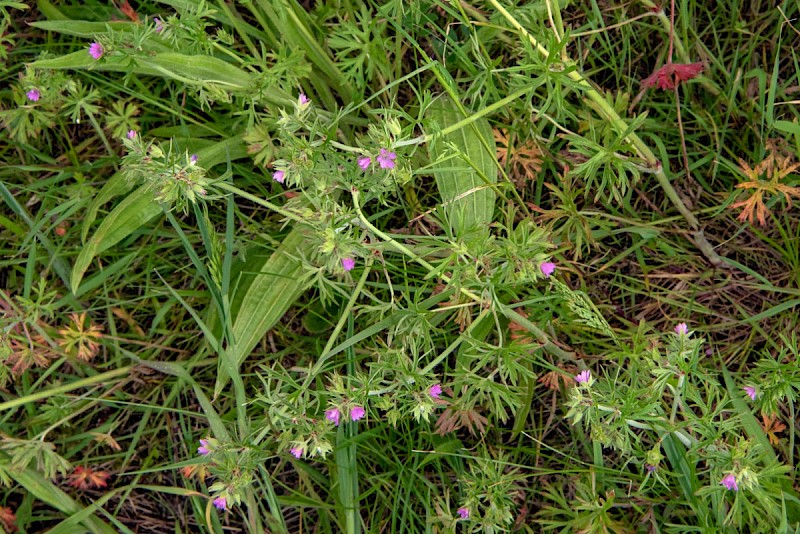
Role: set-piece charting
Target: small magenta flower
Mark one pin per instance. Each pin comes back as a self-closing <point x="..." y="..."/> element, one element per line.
<point x="203" y="448"/>
<point x="357" y="412"/>
<point x="348" y="263"/>
<point x="682" y="329"/>
<point x="435" y="390"/>
<point x="463" y="512"/>
<point x="221" y="503"/>
<point x="583" y="377"/>
<point x="303" y="99"/>
<point x="159" y="24"/>
<point x="365" y="162"/>
<point x="34" y="95"/>
<point x="333" y="415"/>
<point x="96" y="50"/>
<point x="279" y="176"/>
<point x="131" y="134"/>
<point x="751" y="392"/>
<point x="729" y="482"/>
<point x="297" y="452"/>
<point x="193" y="159"/>
<point x="547" y="268"/>
<point x="386" y="159"/>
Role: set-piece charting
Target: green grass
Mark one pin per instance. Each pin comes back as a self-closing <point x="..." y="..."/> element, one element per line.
<point x="149" y="301"/>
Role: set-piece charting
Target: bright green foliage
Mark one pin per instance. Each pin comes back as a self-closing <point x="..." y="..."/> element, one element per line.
<point x="401" y="266"/>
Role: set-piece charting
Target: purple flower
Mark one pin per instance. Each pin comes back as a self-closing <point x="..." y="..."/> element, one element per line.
<point x="751" y="392"/>
<point x="203" y="448"/>
<point x="221" y="503"/>
<point x="357" y="412"/>
<point x="348" y="263"/>
<point x="682" y="329"/>
<point x="159" y="24"/>
<point x="435" y="390"/>
<point x="386" y="159"/>
<point x="547" y="268"/>
<point x="131" y="134"/>
<point x="583" y="377"/>
<point x="33" y="95"/>
<point x="96" y="50"/>
<point x="729" y="482"/>
<point x="297" y="452"/>
<point x="279" y="176"/>
<point x="193" y="159"/>
<point x="463" y="512"/>
<point x="333" y="415"/>
<point x="650" y="468"/>
<point x="365" y="162"/>
<point x="303" y="99"/>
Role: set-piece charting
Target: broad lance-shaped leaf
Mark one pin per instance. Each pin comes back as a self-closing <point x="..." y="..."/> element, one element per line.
<point x="266" y="298"/>
<point x="462" y="180"/>
<point x="137" y="209"/>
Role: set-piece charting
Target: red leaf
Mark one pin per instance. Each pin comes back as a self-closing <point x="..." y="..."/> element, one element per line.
<point x="672" y="74"/>
<point x="86" y="478"/>
<point x="7" y="519"/>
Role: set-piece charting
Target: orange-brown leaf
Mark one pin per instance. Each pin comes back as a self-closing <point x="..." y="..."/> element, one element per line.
<point x="87" y="478"/>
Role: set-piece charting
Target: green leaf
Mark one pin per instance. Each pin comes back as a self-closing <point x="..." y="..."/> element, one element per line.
<point x="267" y="297"/>
<point x="49" y="494"/>
<point x="82" y="28"/>
<point x="463" y="180"/>
<point x="137" y="209"/>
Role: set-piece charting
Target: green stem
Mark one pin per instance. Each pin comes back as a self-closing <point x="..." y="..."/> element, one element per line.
<point x="620" y="125"/>
<point x="340" y="325"/>
<point x="541" y="336"/>
<point x="102" y="378"/>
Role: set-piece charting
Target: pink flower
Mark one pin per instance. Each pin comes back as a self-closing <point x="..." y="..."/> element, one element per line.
<point x="221" y="503"/>
<point x="96" y="50"/>
<point x="463" y="512"/>
<point x="729" y="482"/>
<point x="682" y="329"/>
<point x="297" y="452"/>
<point x="33" y="95"/>
<point x="203" y="448"/>
<point x="333" y="415"/>
<point x="364" y="162"/>
<point x="547" y="268"/>
<point x="159" y="24"/>
<point x="583" y="377"/>
<point x="435" y="390"/>
<point x="357" y="412"/>
<point x="131" y="134"/>
<point x="751" y="392"/>
<point x="348" y="263"/>
<point x="303" y="99"/>
<point x="279" y="176"/>
<point x="386" y="159"/>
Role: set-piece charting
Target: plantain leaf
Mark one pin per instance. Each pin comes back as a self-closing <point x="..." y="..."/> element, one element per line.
<point x="463" y="168"/>
<point x="266" y="298"/>
<point x="137" y="209"/>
